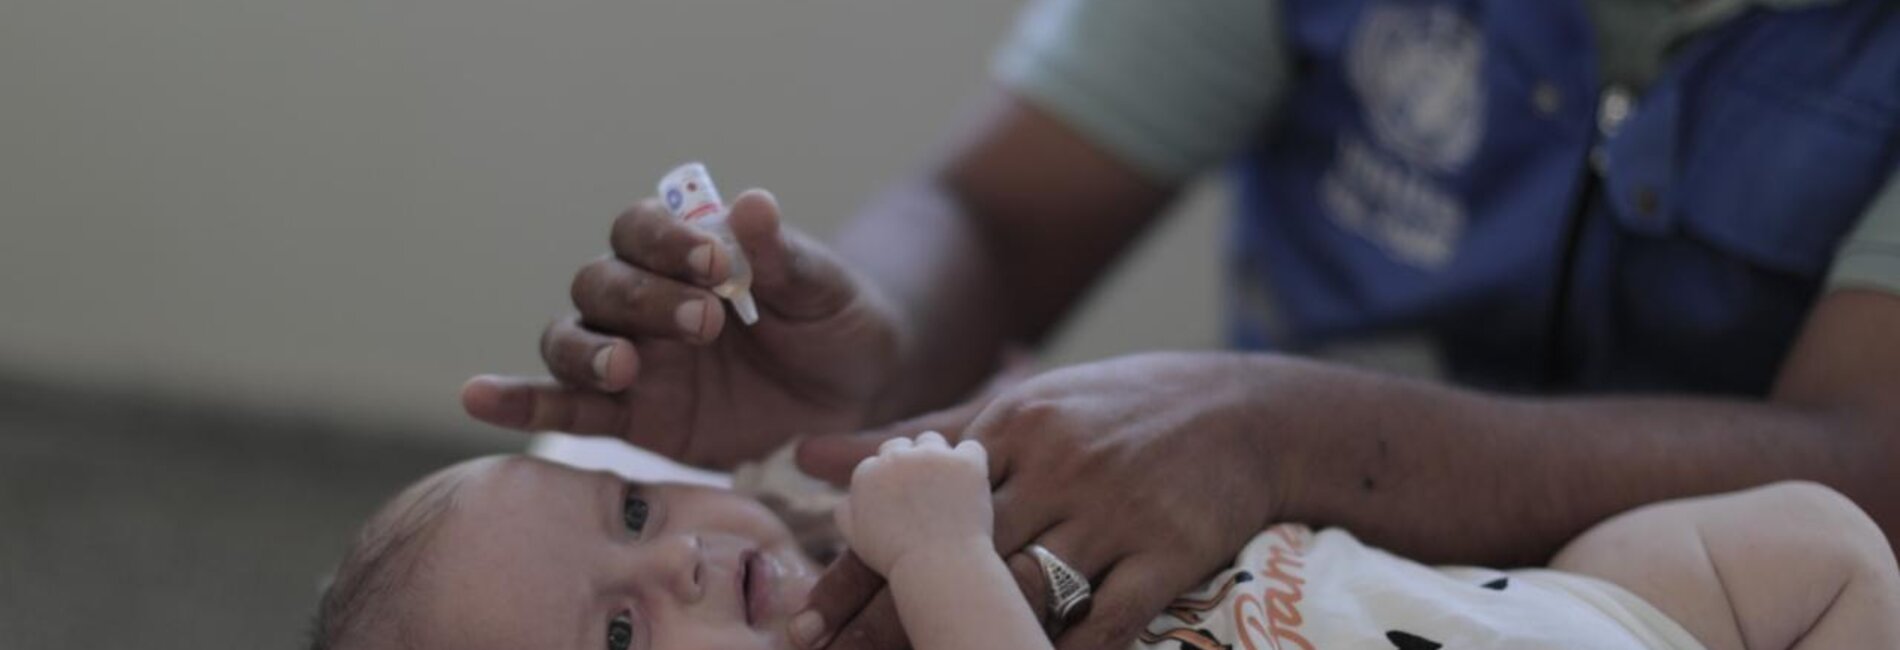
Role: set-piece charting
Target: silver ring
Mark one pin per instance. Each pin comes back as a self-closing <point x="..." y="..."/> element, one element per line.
<point x="1069" y="591"/>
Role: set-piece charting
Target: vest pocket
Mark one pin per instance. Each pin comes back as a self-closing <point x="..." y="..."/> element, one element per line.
<point x="1777" y="175"/>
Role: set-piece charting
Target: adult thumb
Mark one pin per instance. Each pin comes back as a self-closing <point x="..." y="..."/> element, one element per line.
<point x="832" y="457"/>
<point x="792" y="275"/>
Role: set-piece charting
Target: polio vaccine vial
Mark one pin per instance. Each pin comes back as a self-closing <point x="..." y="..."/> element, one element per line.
<point x="689" y="194"/>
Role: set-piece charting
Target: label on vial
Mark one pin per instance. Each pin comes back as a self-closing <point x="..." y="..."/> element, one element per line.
<point x="689" y="193"/>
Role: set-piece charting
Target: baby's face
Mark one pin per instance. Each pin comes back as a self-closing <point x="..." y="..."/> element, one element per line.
<point x="536" y="555"/>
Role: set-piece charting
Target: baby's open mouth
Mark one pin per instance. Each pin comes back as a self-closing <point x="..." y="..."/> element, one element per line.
<point x="759" y="575"/>
<point x="747" y="574"/>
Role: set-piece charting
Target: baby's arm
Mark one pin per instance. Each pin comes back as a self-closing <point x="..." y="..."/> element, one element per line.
<point x="1790" y="565"/>
<point x="920" y="515"/>
<point x="962" y="597"/>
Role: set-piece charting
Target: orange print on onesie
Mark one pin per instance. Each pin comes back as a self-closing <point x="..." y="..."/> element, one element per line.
<point x="1271" y="618"/>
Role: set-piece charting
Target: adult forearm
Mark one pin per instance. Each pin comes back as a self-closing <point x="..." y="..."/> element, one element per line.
<point x="1449" y="475"/>
<point x="996" y="243"/>
<point x="915" y="245"/>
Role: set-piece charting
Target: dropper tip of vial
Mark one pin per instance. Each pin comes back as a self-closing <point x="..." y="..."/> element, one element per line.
<point x="748" y="310"/>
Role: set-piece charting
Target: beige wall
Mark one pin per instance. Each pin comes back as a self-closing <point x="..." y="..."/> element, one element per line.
<point x="346" y="207"/>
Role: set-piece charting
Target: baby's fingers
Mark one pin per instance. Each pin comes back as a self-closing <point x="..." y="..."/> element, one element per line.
<point x="893" y="447"/>
<point x="973" y="450"/>
<point x="931" y="440"/>
<point x="864" y="469"/>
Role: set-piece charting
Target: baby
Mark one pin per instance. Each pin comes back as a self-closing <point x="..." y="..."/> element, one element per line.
<point x="515" y="552"/>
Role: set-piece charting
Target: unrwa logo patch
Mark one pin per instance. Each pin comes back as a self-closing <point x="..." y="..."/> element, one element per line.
<point x="1417" y="70"/>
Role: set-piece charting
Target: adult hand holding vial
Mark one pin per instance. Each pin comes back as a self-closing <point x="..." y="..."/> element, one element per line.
<point x="653" y="357"/>
<point x="690" y="195"/>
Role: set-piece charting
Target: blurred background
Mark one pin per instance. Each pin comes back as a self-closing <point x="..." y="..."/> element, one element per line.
<point x="250" y="249"/>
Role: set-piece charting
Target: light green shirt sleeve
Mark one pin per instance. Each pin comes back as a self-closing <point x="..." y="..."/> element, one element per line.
<point x="1870" y="258"/>
<point x="1172" y="88"/>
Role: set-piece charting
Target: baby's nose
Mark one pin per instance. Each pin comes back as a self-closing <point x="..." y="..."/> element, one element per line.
<point x="682" y="560"/>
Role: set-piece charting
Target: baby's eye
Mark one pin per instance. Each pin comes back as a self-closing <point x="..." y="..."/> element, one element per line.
<point x="620" y="632"/>
<point x="633" y="511"/>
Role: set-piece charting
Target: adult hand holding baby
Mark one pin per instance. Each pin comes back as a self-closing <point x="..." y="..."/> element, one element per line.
<point x="651" y="356"/>
<point x="1144" y="473"/>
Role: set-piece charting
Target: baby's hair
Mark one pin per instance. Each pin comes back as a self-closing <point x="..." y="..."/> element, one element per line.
<point x="359" y="605"/>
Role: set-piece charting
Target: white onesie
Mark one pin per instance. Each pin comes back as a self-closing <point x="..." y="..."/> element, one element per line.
<point x="1293" y="588"/>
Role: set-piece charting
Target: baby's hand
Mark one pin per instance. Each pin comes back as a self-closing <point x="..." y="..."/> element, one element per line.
<point x="917" y="496"/>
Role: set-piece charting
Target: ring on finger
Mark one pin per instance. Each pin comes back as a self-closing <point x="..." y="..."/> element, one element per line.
<point x="1069" y="592"/>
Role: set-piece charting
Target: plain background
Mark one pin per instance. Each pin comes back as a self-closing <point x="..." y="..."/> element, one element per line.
<point x="347" y="207"/>
<point x="249" y="249"/>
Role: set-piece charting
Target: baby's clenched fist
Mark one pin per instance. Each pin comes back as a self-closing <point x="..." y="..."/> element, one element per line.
<point x="913" y="496"/>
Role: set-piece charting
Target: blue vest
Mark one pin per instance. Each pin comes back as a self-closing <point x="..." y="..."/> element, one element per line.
<point x="1449" y="168"/>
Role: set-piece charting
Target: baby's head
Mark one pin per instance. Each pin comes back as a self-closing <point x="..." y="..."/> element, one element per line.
<point x="515" y="552"/>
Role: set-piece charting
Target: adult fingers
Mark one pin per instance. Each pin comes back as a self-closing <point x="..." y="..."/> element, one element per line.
<point x="874" y="628"/>
<point x="844" y="589"/>
<point x="833" y="457"/>
<point x="842" y="516"/>
<point x="582" y="358"/>
<point x="540" y="404"/>
<point x="1028" y="575"/>
<point x="647" y="236"/>
<point x="1074" y="545"/>
<point x="1126" y="600"/>
<point x="1021" y="516"/>
<point x="793" y="275"/>
<point x="1018" y="522"/>
<point x="620" y="298"/>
